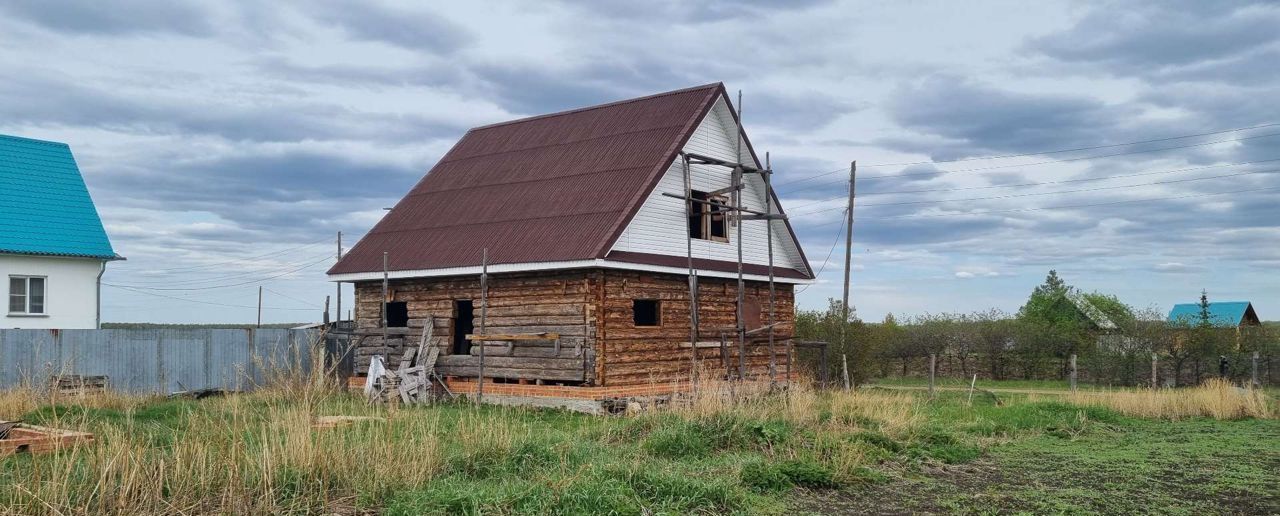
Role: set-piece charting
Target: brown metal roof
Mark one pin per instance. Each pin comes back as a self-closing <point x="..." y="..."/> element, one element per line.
<point x="548" y="188"/>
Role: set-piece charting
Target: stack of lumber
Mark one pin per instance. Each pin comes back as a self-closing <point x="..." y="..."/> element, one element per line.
<point x="74" y="384"/>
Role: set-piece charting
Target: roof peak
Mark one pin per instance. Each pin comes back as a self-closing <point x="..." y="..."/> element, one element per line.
<point x="714" y="85"/>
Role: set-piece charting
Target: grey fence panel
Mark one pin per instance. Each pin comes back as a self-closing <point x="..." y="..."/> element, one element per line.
<point x="182" y="360"/>
<point x="229" y="359"/>
<point x="149" y="361"/>
<point x="27" y="357"/>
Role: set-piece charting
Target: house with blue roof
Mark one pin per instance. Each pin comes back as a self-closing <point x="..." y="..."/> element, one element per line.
<point x="1222" y="314"/>
<point x="53" y="248"/>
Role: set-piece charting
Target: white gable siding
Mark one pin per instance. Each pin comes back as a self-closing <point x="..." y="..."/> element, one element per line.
<point x="660" y="227"/>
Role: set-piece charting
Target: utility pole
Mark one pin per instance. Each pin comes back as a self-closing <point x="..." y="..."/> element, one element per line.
<point x="848" y="252"/>
<point x="484" y="312"/>
<point x="383" y="302"/>
<point x="337" y="312"/>
<point x="737" y="218"/>
<point x="259" y="306"/>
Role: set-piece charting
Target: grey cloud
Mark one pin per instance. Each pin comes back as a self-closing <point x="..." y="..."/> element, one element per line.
<point x="410" y="29"/>
<point x="54" y="101"/>
<point x="804" y="111"/>
<point x="1156" y="36"/>
<point x="984" y="119"/>
<point x="710" y="11"/>
<point x="115" y="17"/>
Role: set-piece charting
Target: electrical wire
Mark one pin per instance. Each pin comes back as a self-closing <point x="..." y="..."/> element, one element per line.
<point x="1111" y="203"/>
<point x="1049" y="152"/>
<point x="826" y="260"/>
<point x="238" y="260"/>
<point x="313" y="264"/>
<point x="1059" y="192"/>
<point x="282" y="294"/>
<point x="148" y="282"/>
<point x="136" y="291"/>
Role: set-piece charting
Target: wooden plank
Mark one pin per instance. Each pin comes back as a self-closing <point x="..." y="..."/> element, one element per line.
<point x="516" y="362"/>
<point x="523" y="350"/>
<point x="514" y="336"/>
<point x="577" y="375"/>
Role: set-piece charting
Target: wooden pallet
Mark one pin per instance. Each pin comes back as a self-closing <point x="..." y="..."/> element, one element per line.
<point x="25" y="438"/>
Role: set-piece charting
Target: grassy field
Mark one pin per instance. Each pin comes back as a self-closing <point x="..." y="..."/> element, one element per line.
<point x="869" y="451"/>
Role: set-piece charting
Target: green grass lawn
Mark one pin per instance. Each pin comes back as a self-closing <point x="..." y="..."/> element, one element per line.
<point x="875" y="451"/>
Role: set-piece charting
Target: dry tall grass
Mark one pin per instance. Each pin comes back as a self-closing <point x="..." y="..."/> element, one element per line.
<point x="1215" y="398"/>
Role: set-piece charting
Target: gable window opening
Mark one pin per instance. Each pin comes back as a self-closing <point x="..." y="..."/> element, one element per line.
<point x="647" y="312"/>
<point x="709" y="220"/>
<point x="27" y="295"/>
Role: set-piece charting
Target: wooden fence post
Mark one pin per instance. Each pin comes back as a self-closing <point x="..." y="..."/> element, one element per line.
<point x="1254" y="375"/>
<point x="844" y="370"/>
<point x="1154" y="368"/>
<point x="1073" y="372"/>
<point x="933" y="369"/>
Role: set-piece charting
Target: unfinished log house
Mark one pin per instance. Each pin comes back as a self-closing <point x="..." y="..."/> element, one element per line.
<point x="586" y="225"/>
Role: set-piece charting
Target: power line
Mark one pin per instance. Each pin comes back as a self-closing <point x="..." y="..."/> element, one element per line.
<point x="1047" y="152"/>
<point x="1127" y="201"/>
<point x="204" y="302"/>
<point x="313" y="264"/>
<point x="1068" y="160"/>
<point x="147" y="282"/>
<point x="1036" y="194"/>
<point x="1060" y="151"/>
<point x="1040" y="183"/>
<point x="282" y="294"/>
<point x="827" y="259"/>
<point x="238" y="260"/>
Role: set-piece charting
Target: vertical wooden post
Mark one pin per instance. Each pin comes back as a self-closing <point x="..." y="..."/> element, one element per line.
<point x="826" y="374"/>
<point x="259" y="306"/>
<point x="973" y="383"/>
<point x="844" y="370"/>
<point x="337" y="311"/>
<point x="1073" y="372"/>
<point x="767" y="176"/>
<point x="484" y="310"/>
<point x="693" y="277"/>
<point x="848" y="253"/>
<point x="737" y="218"/>
<point x="933" y="370"/>
<point x="1253" y="377"/>
<point x="382" y="304"/>
<point x="1154" y="367"/>
<point x="326" y="310"/>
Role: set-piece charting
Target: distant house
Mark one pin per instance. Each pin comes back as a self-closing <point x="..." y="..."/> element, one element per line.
<point x="1222" y="314"/>
<point x="53" y="249"/>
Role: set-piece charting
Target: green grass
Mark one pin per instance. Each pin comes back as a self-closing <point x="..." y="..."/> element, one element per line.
<point x="1045" y="385"/>
<point x="954" y="457"/>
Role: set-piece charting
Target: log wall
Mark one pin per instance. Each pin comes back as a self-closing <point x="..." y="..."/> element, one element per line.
<point x="592" y="311"/>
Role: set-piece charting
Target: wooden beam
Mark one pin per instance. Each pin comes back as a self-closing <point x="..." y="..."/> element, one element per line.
<point x="701" y="344"/>
<point x="723" y="208"/>
<point x="514" y="336"/>
<point x="725" y="190"/>
<point x="699" y="159"/>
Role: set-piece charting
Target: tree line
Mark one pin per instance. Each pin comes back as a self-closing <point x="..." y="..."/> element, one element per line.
<point x="1114" y="343"/>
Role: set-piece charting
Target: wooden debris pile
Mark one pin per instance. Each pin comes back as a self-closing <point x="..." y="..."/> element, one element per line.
<point x="77" y="385"/>
<point x="414" y="381"/>
<point x="18" y="437"/>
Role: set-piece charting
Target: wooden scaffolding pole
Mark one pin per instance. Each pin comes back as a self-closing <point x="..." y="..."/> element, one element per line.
<point x="768" y="203"/>
<point x="737" y="218"/>
<point x="484" y="309"/>
<point x="693" y="277"/>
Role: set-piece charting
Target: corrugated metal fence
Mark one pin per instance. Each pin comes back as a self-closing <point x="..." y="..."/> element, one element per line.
<point x="155" y="361"/>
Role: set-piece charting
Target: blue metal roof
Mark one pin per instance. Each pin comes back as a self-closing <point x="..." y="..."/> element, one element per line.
<point x="45" y="208"/>
<point x="1221" y="313"/>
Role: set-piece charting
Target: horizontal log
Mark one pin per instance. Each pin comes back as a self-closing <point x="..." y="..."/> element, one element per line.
<point x="513" y="336"/>
<point x="563" y="375"/>
<point x="517" y="362"/>
<point x="522" y="350"/>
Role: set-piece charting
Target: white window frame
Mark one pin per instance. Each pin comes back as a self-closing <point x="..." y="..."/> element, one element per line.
<point x="26" y="301"/>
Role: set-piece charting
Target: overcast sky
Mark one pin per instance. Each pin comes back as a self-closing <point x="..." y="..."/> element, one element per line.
<point x="227" y="142"/>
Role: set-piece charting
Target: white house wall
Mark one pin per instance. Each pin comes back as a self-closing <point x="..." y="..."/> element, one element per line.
<point x="660" y="226"/>
<point x="71" y="296"/>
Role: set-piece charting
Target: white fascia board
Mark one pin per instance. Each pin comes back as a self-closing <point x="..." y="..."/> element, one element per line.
<point x="546" y="266"/>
